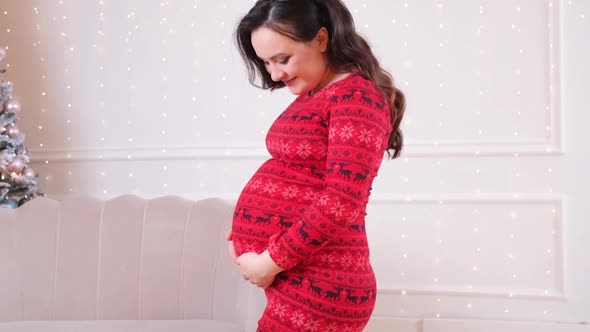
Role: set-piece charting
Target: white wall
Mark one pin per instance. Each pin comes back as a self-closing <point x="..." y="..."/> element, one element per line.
<point x="483" y="217"/>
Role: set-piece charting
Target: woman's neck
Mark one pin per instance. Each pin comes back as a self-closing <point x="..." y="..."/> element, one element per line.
<point x="329" y="77"/>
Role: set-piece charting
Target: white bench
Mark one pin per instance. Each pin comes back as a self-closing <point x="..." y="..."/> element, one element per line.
<point x="126" y="264"/>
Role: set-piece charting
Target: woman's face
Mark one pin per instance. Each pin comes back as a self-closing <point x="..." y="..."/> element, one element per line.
<point x="302" y="66"/>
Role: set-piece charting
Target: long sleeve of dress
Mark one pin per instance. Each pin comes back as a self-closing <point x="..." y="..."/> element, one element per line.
<point x="357" y="136"/>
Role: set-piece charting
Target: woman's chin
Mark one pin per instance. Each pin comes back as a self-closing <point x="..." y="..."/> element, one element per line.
<point x="296" y="90"/>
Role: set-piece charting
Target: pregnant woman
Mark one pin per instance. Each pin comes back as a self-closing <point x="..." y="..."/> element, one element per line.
<point x="299" y="224"/>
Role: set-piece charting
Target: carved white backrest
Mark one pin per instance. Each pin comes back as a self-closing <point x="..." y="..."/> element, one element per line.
<point x="125" y="258"/>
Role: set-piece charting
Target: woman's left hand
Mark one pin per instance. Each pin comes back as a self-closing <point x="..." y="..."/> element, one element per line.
<point x="260" y="270"/>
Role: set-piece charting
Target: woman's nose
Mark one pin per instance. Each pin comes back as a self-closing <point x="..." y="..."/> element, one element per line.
<point x="276" y="74"/>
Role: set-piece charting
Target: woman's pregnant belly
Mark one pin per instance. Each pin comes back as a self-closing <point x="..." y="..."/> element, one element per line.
<point x="272" y="201"/>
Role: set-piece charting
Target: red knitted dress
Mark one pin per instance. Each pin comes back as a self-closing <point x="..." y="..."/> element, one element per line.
<point x="307" y="204"/>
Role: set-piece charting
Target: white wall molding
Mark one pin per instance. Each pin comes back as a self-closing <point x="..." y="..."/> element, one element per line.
<point x="206" y="152"/>
<point x="252" y="152"/>
<point x="476" y="198"/>
<point x="555" y="201"/>
<point x="556" y="106"/>
<point x="498" y="293"/>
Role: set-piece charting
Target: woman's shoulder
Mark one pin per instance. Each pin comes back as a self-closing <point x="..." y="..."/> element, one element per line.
<point x="355" y="89"/>
<point x="360" y="83"/>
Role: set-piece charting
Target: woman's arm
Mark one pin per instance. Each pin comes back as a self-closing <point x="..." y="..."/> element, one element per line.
<point x="358" y="134"/>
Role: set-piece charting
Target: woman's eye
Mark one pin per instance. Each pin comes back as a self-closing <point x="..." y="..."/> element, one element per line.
<point x="284" y="62"/>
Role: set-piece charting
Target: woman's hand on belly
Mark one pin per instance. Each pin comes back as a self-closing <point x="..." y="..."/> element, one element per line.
<point x="260" y="270"/>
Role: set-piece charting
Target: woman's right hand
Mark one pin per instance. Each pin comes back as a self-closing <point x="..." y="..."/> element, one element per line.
<point x="230" y="246"/>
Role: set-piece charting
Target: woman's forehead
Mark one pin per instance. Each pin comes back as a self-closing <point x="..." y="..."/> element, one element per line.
<point x="268" y="35"/>
<point x="268" y="43"/>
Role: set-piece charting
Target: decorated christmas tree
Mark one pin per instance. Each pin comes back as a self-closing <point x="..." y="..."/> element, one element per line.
<point x="18" y="182"/>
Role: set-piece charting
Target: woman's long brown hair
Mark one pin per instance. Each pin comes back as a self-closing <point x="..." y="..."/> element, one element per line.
<point x="347" y="51"/>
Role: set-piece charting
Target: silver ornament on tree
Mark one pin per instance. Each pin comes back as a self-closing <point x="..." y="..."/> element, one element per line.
<point x="12" y="105"/>
<point x="16" y="166"/>
<point x="12" y="131"/>
<point x="29" y="172"/>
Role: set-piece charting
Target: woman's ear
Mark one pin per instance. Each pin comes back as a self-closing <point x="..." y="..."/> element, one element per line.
<point x="322" y="39"/>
